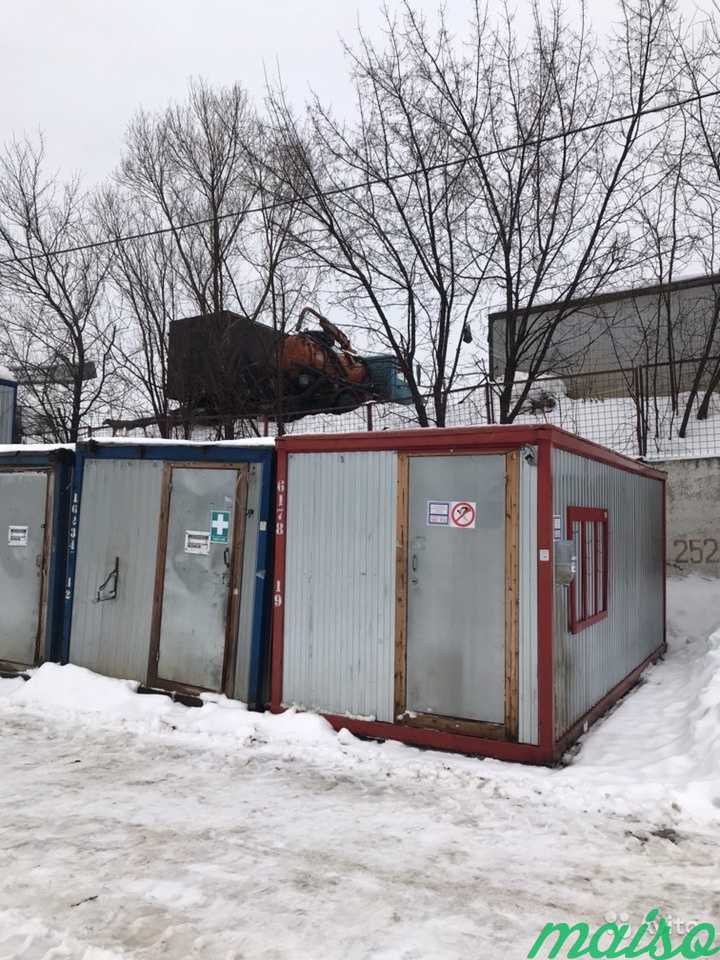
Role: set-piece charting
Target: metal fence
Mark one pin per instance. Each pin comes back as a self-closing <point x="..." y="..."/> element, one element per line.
<point x="653" y="411"/>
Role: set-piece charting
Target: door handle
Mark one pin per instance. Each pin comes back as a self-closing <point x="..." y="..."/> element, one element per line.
<point x="226" y="556"/>
<point x="414" y="566"/>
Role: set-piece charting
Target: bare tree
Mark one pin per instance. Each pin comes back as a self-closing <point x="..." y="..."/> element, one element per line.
<point x="147" y="294"/>
<point x="55" y="324"/>
<point x="553" y="179"/>
<point x="388" y="204"/>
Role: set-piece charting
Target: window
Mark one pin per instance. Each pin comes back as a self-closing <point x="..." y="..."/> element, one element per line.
<point x="587" y="527"/>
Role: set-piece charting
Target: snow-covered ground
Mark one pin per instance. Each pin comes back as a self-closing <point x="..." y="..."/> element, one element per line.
<point x="132" y="827"/>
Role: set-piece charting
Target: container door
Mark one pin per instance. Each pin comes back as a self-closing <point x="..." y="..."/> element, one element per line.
<point x="455" y="641"/>
<point x="23" y="524"/>
<point x="199" y="584"/>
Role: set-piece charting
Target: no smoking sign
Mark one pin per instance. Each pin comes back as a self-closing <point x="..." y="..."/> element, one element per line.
<point x="458" y="514"/>
<point x="462" y="514"/>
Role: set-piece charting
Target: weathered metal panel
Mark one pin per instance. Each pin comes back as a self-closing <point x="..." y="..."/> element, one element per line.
<point x="7" y="412"/>
<point x="456" y="588"/>
<point x="196" y="581"/>
<point x="23" y="498"/>
<point x="119" y="511"/>
<point x="252" y="579"/>
<point x="527" y="601"/>
<point x="588" y="664"/>
<point x="339" y="643"/>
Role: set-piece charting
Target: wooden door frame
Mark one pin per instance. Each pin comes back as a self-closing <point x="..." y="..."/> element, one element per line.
<point x="41" y="621"/>
<point x="497" y="731"/>
<point x="232" y="616"/>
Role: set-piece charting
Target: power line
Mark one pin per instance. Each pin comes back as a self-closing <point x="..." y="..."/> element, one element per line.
<point x="360" y="184"/>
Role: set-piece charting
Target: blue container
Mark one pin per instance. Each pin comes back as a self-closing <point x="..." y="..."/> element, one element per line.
<point x="35" y="486"/>
<point x="168" y="564"/>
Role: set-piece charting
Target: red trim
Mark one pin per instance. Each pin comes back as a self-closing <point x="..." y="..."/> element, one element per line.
<point x="278" y="586"/>
<point x="462" y="438"/>
<point x="545" y="590"/>
<point x="598" y="517"/>
<point x="602" y="706"/>
<point x="437" y="740"/>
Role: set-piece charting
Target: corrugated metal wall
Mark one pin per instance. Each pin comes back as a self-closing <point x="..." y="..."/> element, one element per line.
<point x="527" y="613"/>
<point x="339" y="643"/>
<point x="7" y="412"/>
<point x="119" y="513"/>
<point x="590" y="663"/>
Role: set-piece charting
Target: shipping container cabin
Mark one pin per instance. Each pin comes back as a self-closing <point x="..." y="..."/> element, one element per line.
<point x="488" y="590"/>
<point x="35" y="485"/>
<point x="167" y="557"/>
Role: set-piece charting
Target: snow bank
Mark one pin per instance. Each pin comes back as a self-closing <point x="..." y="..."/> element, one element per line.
<point x="655" y="757"/>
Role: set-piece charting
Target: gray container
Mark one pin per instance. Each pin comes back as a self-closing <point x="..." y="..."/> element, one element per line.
<point x="167" y="571"/>
<point x="418" y="595"/>
<point x="35" y="485"/>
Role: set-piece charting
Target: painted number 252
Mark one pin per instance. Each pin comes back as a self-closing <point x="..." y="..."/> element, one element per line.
<point x="696" y="551"/>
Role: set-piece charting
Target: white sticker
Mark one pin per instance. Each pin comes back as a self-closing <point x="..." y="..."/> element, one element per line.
<point x="544" y="556"/>
<point x="458" y="514"/>
<point x="197" y="541"/>
<point x="438" y="513"/>
<point x="17" y="536"/>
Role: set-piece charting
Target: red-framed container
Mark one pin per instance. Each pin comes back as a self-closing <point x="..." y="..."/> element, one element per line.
<point x="428" y="584"/>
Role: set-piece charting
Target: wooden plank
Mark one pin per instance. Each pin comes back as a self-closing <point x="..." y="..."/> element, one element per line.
<point x="159" y="582"/>
<point x="236" y="572"/>
<point x="470" y="728"/>
<point x="401" y="555"/>
<point x="511" y="595"/>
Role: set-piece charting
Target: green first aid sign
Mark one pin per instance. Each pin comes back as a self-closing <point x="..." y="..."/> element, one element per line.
<point x="219" y="526"/>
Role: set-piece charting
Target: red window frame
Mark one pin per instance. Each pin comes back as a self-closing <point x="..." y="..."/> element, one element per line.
<point x="592" y="564"/>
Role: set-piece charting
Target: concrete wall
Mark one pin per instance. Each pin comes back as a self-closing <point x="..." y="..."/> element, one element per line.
<point x="693" y="516"/>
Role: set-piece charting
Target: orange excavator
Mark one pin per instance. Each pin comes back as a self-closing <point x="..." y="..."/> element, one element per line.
<point x="230" y="364"/>
<point x="306" y="356"/>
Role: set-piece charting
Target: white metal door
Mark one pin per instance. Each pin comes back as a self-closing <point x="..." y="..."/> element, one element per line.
<point x="23" y="505"/>
<point x="456" y="587"/>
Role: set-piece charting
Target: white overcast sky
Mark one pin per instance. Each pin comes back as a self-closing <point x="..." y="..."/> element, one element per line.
<point x="77" y="70"/>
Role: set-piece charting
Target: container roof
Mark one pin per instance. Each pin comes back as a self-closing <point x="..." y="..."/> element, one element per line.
<point x="450" y="439"/>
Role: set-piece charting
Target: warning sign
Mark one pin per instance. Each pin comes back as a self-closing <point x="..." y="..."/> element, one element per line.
<point x="458" y="514"/>
<point x="462" y="514"/>
<point x="219" y="526"/>
<point x="198" y="542"/>
<point x="438" y="513"/>
<point x="17" y="536"/>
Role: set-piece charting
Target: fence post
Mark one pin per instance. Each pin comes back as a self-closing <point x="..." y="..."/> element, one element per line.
<point x="368" y="408"/>
<point x="489" y="403"/>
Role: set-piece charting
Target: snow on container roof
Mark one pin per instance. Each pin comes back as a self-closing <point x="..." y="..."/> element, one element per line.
<point x="6" y="375"/>
<point x="161" y="441"/>
<point x="30" y="448"/>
